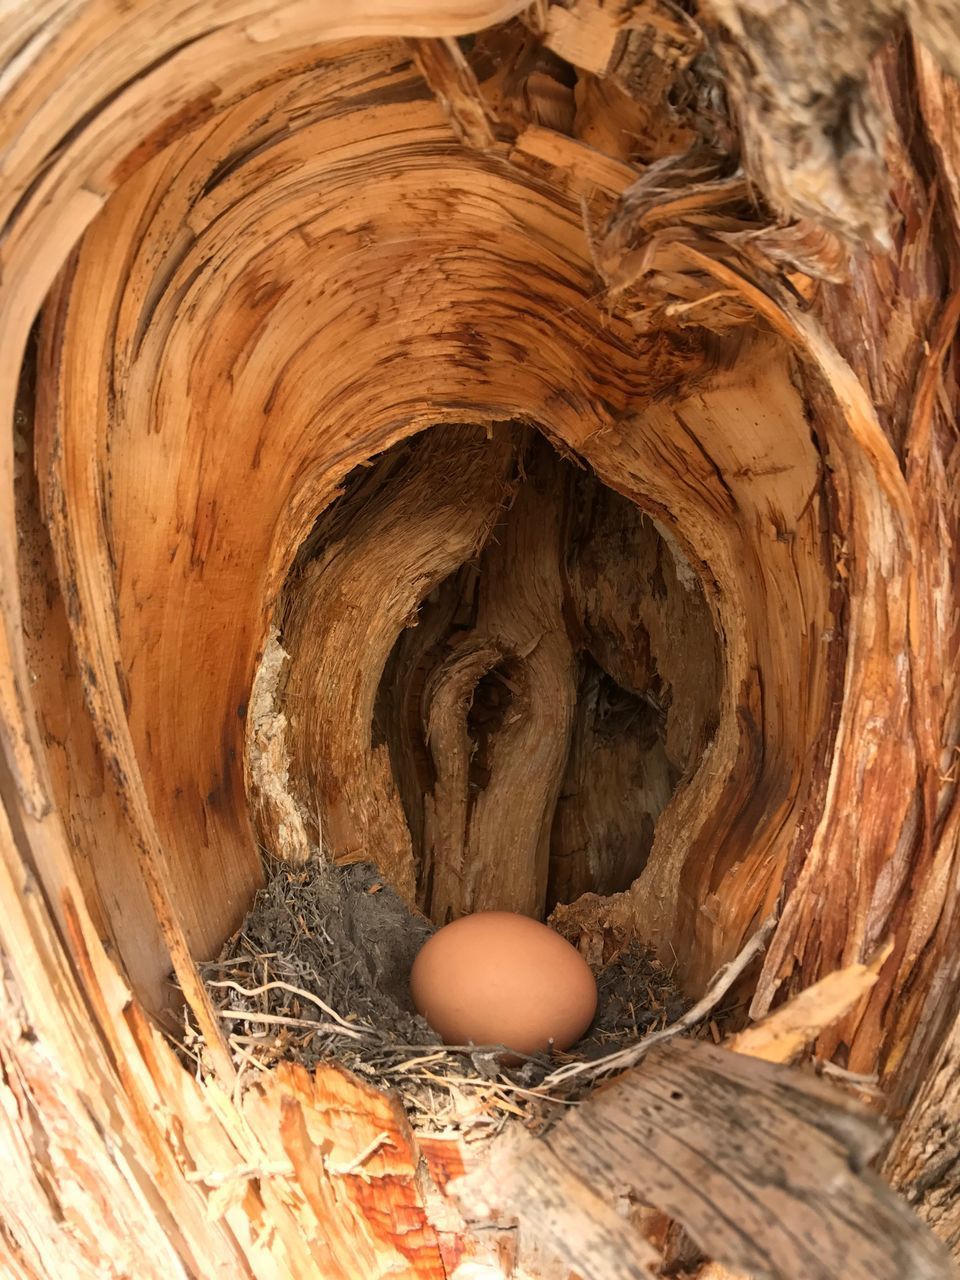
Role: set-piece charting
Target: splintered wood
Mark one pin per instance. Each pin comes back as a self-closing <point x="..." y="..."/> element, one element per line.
<point x="351" y="1154"/>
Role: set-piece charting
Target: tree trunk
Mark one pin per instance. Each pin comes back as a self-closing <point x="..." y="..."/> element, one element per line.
<point x="516" y="444"/>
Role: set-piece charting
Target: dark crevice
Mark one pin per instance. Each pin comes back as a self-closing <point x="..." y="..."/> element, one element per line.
<point x="623" y="611"/>
<point x="493" y="703"/>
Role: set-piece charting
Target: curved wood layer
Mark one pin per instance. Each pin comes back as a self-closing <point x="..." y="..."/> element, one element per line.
<point x="263" y="341"/>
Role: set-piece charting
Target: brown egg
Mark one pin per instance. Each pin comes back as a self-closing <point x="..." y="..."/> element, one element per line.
<point x="500" y="978"/>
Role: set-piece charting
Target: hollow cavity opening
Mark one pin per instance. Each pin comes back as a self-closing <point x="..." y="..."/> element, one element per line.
<point x="500" y="672"/>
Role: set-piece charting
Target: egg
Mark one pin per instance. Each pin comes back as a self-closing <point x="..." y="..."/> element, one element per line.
<point x="500" y="978"/>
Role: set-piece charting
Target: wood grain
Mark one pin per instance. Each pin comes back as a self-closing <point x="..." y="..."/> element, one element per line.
<point x="766" y="1168"/>
<point x="269" y="244"/>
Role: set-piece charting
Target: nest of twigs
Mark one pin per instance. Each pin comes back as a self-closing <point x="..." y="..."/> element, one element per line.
<point x="319" y="972"/>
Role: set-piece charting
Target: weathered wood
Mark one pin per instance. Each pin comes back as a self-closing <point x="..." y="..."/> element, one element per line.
<point x="498" y="855"/>
<point x="922" y="1162"/>
<point x="451" y="78"/>
<point x="271" y="241"/>
<point x="764" y="1167"/>
<point x="349" y="1149"/>
<point x="782" y="1036"/>
<point x="393" y="541"/>
<point x="519" y="787"/>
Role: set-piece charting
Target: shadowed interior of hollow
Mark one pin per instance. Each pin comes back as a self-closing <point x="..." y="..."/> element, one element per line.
<point x="510" y="741"/>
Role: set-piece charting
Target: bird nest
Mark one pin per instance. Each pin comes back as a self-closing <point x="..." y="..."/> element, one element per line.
<point x="318" y="972"/>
